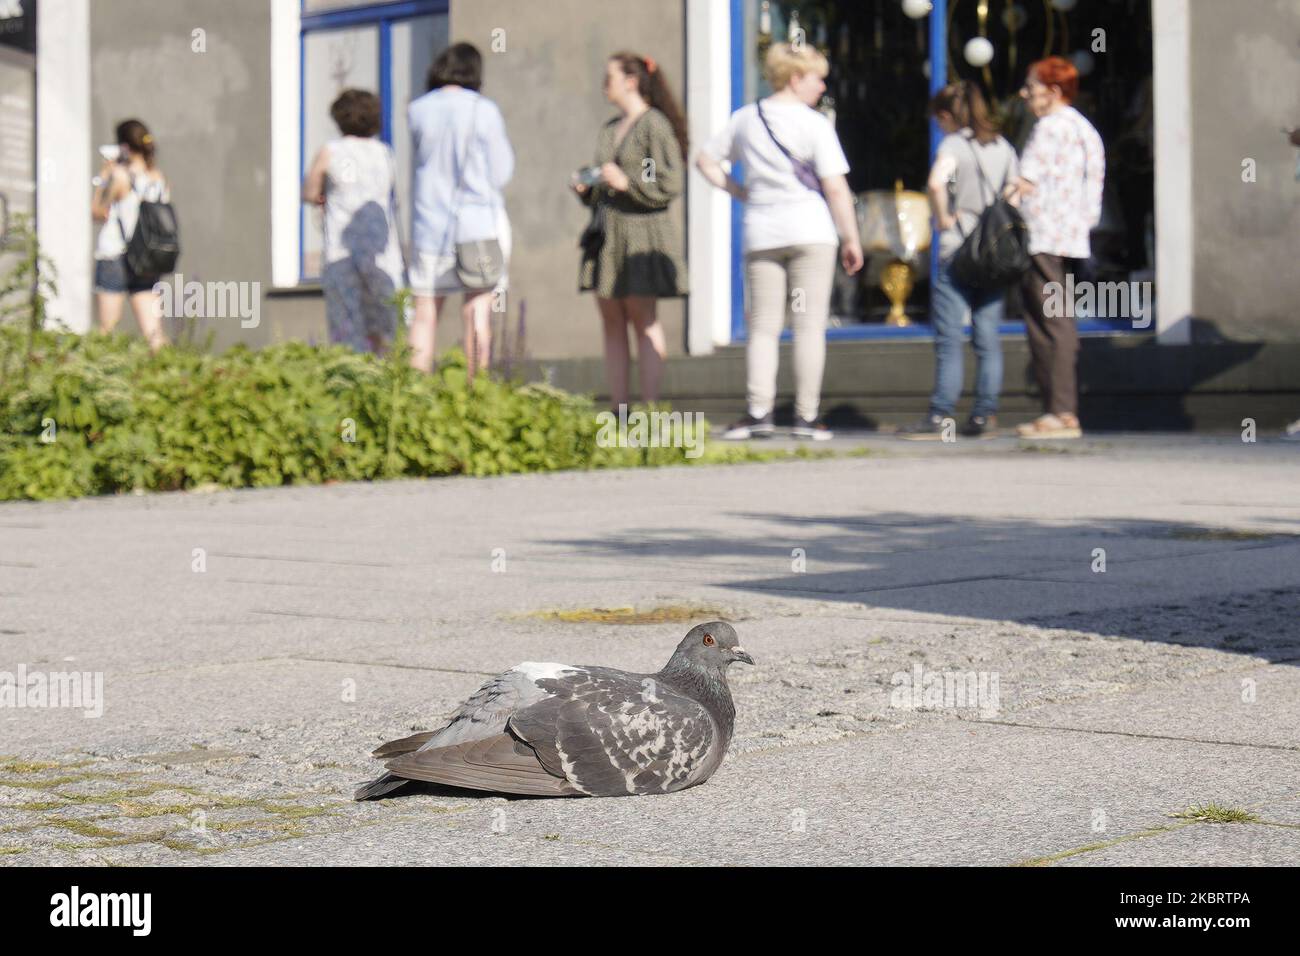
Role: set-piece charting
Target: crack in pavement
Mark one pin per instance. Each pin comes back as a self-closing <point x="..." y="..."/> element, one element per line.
<point x="1131" y="733"/>
<point x="273" y="557"/>
<point x="325" y="617"/>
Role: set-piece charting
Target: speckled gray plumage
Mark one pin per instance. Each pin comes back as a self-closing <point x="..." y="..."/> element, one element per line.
<point x="562" y="730"/>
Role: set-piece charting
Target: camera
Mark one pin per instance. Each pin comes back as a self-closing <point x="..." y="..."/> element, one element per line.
<point x="588" y="175"/>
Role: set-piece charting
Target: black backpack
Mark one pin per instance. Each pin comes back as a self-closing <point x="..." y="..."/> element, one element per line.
<point x="996" y="253"/>
<point x="154" y="247"/>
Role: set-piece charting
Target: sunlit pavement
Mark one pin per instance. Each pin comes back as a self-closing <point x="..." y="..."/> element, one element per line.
<point x="1123" y="611"/>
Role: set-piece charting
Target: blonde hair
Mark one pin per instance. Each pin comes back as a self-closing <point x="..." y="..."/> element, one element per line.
<point x="784" y="62"/>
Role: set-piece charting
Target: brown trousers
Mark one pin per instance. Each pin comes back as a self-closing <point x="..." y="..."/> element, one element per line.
<point x="1053" y="341"/>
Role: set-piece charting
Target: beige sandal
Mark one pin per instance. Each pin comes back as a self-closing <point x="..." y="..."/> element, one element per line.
<point x="1051" y="426"/>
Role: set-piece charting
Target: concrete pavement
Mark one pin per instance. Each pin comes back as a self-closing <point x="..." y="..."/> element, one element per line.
<point x="256" y="645"/>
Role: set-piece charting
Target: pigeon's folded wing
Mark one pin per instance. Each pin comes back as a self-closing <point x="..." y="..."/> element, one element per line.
<point x="610" y="733"/>
<point x="499" y="763"/>
<point x="395" y="748"/>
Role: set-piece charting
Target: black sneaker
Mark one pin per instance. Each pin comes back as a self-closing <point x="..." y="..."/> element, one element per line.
<point x="750" y="427"/>
<point x="980" y="426"/>
<point x="929" y="428"/>
<point x="811" y="431"/>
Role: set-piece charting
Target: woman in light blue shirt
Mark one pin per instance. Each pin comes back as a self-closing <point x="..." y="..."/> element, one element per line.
<point x="462" y="159"/>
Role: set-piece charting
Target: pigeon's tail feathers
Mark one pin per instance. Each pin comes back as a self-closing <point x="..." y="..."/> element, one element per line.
<point x="500" y="764"/>
<point x="395" y="748"/>
<point x="380" y="787"/>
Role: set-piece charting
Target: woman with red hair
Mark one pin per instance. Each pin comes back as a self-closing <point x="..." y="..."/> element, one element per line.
<point x="1062" y="169"/>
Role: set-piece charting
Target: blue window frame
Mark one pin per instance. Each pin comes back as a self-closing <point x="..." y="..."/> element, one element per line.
<point x="742" y="41"/>
<point x="385" y="47"/>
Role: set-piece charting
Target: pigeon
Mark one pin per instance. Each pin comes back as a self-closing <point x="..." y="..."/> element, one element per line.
<point x="556" y="730"/>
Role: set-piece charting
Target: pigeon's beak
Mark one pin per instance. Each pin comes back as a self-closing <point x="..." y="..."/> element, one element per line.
<point x="740" y="654"/>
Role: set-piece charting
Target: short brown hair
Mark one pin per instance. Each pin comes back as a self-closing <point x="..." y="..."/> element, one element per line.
<point x="357" y="113"/>
<point x="460" y="64"/>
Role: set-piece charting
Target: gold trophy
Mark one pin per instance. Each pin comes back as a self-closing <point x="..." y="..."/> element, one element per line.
<point x="895" y="223"/>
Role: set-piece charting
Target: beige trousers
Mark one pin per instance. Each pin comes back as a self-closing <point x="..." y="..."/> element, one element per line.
<point x="794" y="281"/>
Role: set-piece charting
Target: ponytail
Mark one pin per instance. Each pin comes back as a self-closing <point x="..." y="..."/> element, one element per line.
<point x="136" y="135"/>
<point x="966" y="104"/>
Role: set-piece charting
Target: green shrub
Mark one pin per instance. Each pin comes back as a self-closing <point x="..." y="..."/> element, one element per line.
<point x="125" y="420"/>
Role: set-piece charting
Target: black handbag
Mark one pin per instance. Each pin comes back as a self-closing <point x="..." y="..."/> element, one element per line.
<point x="593" y="237"/>
<point x="996" y="253"/>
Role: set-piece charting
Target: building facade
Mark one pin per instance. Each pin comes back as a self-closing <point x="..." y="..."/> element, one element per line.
<point x="237" y="94"/>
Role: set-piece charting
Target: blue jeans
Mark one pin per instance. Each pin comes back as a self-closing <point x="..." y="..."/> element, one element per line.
<point x="950" y="303"/>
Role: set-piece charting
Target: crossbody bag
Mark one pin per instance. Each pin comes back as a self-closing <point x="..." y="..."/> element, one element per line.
<point x="804" y="171"/>
<point x="480" y="263"/>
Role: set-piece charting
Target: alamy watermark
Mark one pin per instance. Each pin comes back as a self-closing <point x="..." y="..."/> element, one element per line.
<point x="921" y="689"/>
<point x="82" y="690"/>
<point x="1099" y="300"/>
<point x="640" y="429"/>
<point x="211" y="300"/>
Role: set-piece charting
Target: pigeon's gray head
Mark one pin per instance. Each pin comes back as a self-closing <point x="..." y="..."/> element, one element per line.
<point x="712" y="646"/>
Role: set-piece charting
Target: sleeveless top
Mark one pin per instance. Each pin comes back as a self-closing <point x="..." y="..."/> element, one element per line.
<point x="359" y="206"/>
<point x="122" y="215"/>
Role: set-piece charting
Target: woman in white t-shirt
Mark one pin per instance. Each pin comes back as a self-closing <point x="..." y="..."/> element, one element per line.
<point x="798" y="213"/>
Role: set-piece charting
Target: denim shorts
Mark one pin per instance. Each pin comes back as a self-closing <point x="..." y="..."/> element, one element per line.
<point x="114" y="275"/>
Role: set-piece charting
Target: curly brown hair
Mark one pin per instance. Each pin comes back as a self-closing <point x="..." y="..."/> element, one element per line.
<point x="357" y="113"/>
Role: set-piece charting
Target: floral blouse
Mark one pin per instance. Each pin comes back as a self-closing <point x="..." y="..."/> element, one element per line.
<point x="1066" y="162"/>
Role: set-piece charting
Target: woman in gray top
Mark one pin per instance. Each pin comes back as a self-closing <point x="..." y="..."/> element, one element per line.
<point x="972" y="165"/>
<point x="635" y="256"/>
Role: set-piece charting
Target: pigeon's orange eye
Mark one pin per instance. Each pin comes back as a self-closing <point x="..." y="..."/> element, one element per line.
<point x="708" y="640"/>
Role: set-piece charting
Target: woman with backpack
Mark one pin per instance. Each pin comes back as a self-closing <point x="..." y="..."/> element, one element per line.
<point x="972" y="167"/>
<point x="123" y="183"/>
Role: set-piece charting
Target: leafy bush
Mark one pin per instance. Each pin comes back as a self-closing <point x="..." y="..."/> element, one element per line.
<point x="97" y="414"/>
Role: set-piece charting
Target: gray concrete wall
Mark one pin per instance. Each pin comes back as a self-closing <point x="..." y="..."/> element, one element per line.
<point x="1245" y="88"/>
<point x="211" y="115"/>
<point x="548" y="85"/>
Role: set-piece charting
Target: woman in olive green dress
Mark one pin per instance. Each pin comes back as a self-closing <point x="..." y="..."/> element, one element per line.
<point x="641" y="158"/>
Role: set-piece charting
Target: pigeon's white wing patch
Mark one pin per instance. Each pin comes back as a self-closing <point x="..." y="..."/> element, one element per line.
<point x="486" y="711"/>
<point x="536" y="671"/>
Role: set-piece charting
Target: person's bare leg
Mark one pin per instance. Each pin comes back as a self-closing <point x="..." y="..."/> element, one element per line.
<point x="614" y="319"/>
<point x="478" y="331"/>
<point x="109" y="306"/>
<point x="651" y="348"/>
<point x="147" y="307"/>
<point x="424" y="325"/>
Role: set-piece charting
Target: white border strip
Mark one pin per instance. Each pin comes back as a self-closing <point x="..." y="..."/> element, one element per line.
<point x="286" y="122"/>
<point x="708" y="210"/>
<point x="1175" y="245"/>
<point x="64" y="155"/>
